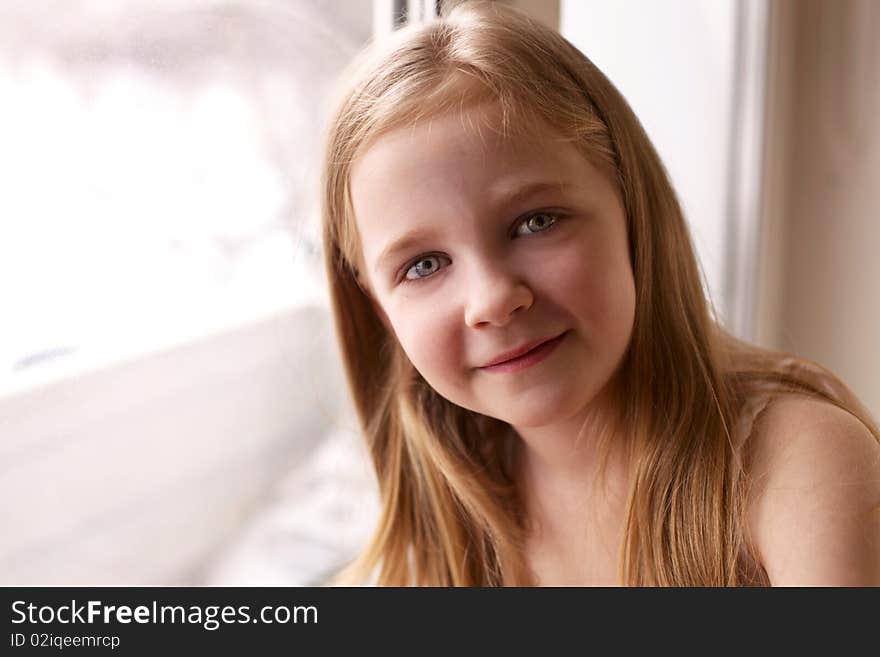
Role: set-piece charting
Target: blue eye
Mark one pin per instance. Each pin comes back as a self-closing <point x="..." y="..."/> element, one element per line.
<point x="536" y="223"/>
<point x="428" y="265"/>
<point x="423" y="268"/>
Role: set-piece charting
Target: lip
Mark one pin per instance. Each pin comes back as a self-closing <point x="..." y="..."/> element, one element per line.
<point x="525" y="355"/>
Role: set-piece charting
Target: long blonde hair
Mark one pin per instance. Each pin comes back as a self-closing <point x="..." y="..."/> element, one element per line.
<point x="451" y="514"/>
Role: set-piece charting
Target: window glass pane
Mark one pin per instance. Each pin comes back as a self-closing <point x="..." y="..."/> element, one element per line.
<point x="159" y="162"/>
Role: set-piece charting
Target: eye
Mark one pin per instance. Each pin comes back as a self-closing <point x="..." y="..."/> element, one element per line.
<point x="428" y="265"/>
<point x="536" y="223"/>
<point x="424" y="267"/>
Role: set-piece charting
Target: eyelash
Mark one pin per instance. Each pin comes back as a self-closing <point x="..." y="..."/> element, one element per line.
<point x="521" y="222"/>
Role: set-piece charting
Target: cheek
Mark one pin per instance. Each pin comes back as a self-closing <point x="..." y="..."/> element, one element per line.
<point x="432" y="339"/>
<point x="597" y="288"/>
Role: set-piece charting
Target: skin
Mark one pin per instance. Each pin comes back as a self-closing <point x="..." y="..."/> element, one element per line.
<point x="497" y="272"/>
<point x="814" y="514"/>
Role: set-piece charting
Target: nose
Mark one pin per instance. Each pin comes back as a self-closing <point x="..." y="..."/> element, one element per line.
<point x="494" y="296"/>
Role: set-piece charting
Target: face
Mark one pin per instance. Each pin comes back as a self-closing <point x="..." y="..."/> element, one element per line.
<point x="476" y="247"/>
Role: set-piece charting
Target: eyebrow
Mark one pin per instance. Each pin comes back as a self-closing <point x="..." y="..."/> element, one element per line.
<point x="416" y="235"/>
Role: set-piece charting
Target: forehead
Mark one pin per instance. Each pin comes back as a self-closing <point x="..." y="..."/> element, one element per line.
<point x="475" y="131"/>
<point x="457" y="152"/>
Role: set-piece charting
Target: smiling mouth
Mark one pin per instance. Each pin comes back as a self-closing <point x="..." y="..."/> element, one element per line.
<point x="531" y="357"/>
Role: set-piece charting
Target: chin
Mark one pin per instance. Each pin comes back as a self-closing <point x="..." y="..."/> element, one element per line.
<point x="538" y="412"/>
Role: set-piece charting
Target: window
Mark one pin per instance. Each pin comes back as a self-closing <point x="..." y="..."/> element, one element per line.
<point x="159" y="168"/>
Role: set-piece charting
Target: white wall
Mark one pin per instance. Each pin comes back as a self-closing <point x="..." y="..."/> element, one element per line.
<point x="674" y="63"/>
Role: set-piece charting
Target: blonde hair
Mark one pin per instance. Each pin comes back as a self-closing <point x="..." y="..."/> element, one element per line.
<point x="451" y="514"/>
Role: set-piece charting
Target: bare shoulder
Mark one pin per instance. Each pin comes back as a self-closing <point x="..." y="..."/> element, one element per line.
<point x="814" y="506"/>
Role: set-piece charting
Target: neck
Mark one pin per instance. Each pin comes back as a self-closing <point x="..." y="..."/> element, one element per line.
<point x="570" y="448"/>
<point x="568" y="459"/>
<point x="573" y="470"/>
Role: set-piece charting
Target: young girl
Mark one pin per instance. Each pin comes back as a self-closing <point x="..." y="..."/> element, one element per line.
<point x="545" y="394"/>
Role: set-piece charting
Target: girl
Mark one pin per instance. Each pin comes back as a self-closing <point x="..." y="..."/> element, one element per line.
<point x="545" y="394"/>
